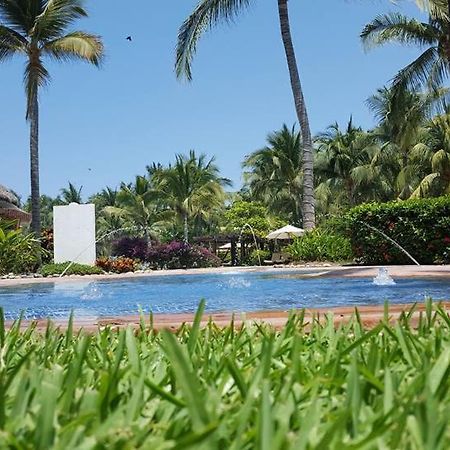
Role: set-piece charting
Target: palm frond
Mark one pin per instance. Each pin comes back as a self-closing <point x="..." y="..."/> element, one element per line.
<point x="396" y="27"/>
<point x="11" y="42"/>
<point x="436" y="8"/>
<point x="76" y="45"/>
<point x="417" y="74"/>
<point x="20" y="15"/>
<point x="206" y="15"/>
<point x="56" y="16"/>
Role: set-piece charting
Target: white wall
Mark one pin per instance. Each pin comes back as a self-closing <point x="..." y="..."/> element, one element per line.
<point x="74" y="233"/>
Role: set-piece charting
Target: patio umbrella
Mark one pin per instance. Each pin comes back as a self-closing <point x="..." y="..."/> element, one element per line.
<point x="287" y="232"/>
<point x="228" y="246"/>
<point x="9" y="208"/>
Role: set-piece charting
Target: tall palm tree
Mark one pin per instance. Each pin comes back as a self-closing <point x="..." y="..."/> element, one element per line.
<point x="71" y="194"/>
<point x="192" y="187"/>
<point x="37" y="29"/>
<point x="432" y="67"/>
<point x="209" y="13"/>
<point x="273" y="174"/>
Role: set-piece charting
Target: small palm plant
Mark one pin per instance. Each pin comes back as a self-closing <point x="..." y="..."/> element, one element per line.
<point x="38" y="29"/>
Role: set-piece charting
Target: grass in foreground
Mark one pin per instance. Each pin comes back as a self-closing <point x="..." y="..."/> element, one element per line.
<point x="245" y="388"/>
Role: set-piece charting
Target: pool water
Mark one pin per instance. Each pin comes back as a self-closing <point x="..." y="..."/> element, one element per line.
<point x="249" y="291"/>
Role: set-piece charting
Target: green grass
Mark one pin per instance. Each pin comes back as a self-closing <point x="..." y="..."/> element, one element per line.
<point x="237" y="388"/>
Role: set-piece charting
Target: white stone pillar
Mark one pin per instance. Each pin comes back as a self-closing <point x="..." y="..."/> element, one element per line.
<point x="74" y="233"/>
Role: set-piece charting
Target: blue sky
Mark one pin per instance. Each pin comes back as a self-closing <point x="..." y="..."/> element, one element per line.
<point x="99" y="127"/>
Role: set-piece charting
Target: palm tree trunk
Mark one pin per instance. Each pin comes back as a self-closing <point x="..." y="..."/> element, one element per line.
<point x="308" y="201"/>
<point x="34" y="166"/>
<point x="186" y="228"/>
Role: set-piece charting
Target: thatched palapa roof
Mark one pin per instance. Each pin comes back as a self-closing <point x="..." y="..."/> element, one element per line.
<point x="9" y="207"/>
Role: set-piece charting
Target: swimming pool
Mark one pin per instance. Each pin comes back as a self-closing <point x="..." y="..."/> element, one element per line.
<point x="240" y="291"/>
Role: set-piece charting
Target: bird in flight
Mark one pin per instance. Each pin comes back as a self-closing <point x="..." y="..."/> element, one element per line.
<point x="129" y="38"/>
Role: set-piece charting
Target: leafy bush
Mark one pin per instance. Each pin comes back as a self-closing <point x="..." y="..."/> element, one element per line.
<point x="321" y="245"/>
<point x="19" y="251"/>
<point x="180" y="255"/>
<point x="131" y="247"/>
<point x="421" y="226"/>
<point x="47" y="245"/>
<point x="253" y="213"/>
<point x="117" y="265"/>
<point x="257" y="256"/>
<point x="75" y="269"/>
<point x="221" y="388"/>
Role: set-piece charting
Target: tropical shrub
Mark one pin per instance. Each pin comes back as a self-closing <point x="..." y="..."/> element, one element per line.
<point x="47" y="245"/>
<point x="75" y="269"/>
<point x="252" y="213"/>
<point x="131" y="247"/>
<point x="229" y="388"/>
<point x="421" y="226"/>
<point x="19" y="251"/>
<point x="321" y="245"/>
<point x="256" y="257"/>
<point x="180" y="255"/>
<point x="120" y="264"/>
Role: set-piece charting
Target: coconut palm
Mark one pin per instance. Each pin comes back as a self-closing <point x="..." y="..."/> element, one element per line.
<point x="209" y="13"/>
<point x="433" y="154"/>
<point x="106" y="197"/>
<point x="138" y="206"/>
<point x="46" y="206"/>
<point x="38" y="29"/>
<point x="401" y="114"/>
<point x="344" y="169"/>
<point x="273" y="174"/>
<point x="71" y="194"/>
<point x="432" y="67"/>
<point x="192" y="187"/>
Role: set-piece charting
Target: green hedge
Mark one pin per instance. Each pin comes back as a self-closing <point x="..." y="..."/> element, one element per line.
<point x="74" y="269"/>
<point x="421" y="226"/>
<point x="321" y="245"/>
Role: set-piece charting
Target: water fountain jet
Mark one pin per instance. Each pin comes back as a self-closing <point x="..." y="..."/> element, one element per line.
<point x="392" y="240"/>
<point x="247" y="225"/>
<point x="383" y="278"/>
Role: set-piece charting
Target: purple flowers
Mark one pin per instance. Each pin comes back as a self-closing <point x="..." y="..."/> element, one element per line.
<point x="131" y="247"/>
<point x="178" y="255"/>
<point x="175" y="255"/>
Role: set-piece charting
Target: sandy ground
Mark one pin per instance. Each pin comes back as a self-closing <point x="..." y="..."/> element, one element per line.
<point x="370" y="315"/>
